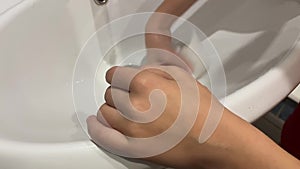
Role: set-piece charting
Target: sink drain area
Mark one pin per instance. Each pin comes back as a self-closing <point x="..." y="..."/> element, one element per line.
<point x="100" y="2"/>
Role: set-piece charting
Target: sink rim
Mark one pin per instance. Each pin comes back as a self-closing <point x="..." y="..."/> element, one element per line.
<point x="278" y="75"/>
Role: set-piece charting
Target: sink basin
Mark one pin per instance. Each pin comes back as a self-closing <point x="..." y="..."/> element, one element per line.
<point x="41" y="40"/>
<point x="8" y="4"/>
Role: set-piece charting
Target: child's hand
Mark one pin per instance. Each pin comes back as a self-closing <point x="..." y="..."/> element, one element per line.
<point x="152" y="101"/>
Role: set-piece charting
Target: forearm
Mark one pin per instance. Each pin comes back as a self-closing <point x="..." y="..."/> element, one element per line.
<point x="158" y="33"/>
<point x="171" y="7"/>
<point x="237" y="144"/>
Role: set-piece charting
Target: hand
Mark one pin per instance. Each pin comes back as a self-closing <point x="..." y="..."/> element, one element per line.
<point x="161" y="49"/>
<point x="234" y="144"/>
<point x="158" y="34"/>
<point x="110" y="128"/>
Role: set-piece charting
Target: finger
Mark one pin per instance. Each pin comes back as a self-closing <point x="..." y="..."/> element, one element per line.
<point x="139" y="107"/>
<point x="108" y="138"/>
<point x="110" y="73"/>
<point x="113" y="117"/>
<point x="120" y="77"/>
<point x="102" y="120"/>
<point x="118" y="99"/>
<point x="133" y="80"/>
<point x="112" y="94"/>
<point x="118" y="121"/>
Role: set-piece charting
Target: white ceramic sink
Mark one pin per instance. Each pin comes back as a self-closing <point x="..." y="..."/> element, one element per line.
<point x="40" y="41"/>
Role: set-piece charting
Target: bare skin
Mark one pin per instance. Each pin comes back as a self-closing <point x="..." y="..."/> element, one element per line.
<point x="235" y="143"/>
<point x="158" y="34"/>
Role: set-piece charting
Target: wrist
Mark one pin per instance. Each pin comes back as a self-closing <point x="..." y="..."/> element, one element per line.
<point x="228" y="146"/>
<point x="160" y="22"/>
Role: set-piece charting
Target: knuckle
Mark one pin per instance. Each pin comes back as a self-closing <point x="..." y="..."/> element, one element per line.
<point x="140" y="80"/>
<point x="143" y="79"/>
<point x="135" y="102"/>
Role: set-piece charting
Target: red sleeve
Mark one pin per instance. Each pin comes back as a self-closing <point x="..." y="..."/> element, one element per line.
<point x="290" y="136"/>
